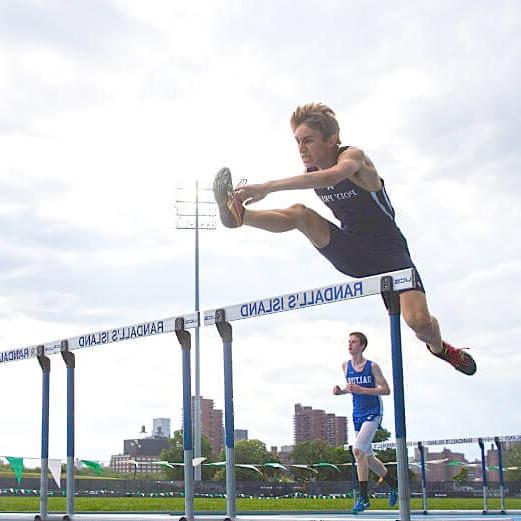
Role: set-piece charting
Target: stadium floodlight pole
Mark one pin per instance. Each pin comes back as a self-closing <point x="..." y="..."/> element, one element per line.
<point x="188" y="217"/>
<point x="186" y="344"/>
<point x="45" y="364"/>
<point x="481" y="444"/>
<point x="392" y="299"/>
<point x="70" y="363"/>
<point x="421" y="449"/>
<point x="225" y="331"/>
<point x="500" y="471"/>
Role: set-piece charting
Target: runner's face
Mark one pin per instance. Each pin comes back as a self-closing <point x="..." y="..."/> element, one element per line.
<point x="313" y="149"/>
<point x="354" y="345"/>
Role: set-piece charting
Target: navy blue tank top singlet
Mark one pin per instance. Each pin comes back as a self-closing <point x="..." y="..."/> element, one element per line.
<point x="362" y="214"/>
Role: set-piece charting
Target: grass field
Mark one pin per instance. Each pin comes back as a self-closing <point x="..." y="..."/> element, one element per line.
<point x="31" y="504"/>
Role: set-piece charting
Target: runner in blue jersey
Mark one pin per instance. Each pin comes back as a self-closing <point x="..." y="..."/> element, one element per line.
<point x="366" y="384"/>
<point x="367" y="240"/>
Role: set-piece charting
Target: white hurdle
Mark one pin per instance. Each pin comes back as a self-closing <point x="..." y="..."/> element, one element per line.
<point x="179" y="325"/>
<point x="387" y="285"/>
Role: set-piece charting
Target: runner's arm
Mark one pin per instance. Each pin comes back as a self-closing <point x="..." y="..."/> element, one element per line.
<point x="337" y="389"/>
<point x="349" y="163"/>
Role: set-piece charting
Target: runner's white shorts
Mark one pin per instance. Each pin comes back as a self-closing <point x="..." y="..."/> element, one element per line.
<point x="364" y="437"/>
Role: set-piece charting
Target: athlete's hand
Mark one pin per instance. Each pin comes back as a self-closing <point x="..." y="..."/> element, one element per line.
<point x="337" y="390"/>
<point x="353" y="388"/>
<point x="249" y="194"/>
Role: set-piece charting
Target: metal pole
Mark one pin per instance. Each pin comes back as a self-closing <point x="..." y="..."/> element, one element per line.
<point x="45" y="364"/>
<point x="354" y="481"/>
<point x="70" y="363"/>
<point x="484" y="472"/>
<point x="225" y="331"/>
<point x="393" y="302"/>
<point x="500" y="471"/>
<point x="185" y="341"/>
<point x="421" y="448"/>
<point x="197" y="405"/>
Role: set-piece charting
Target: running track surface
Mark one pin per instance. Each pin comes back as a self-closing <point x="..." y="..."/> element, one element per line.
<point x="373" y="515"/>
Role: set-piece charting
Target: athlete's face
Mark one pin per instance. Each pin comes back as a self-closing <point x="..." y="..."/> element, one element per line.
<point x="354" y="345"/>
<point x="313" y="148"/>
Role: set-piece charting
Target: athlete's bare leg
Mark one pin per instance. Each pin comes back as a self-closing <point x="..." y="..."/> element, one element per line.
<point x="296" y="217"/>
<point x="376" y="466"/>
<point x="362" y="467"/>
<point x="417" y="317"/>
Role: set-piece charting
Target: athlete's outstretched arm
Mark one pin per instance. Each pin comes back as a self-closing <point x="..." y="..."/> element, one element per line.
<point x="350" y="162"/>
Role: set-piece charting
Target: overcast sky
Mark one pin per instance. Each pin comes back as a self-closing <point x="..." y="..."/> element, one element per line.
<point x="107" y="106"/>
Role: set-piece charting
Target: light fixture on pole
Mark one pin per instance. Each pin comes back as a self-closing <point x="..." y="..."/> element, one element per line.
<point x="191" y="217"/>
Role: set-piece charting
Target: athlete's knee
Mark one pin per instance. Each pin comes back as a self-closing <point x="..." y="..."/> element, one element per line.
<point x="420" y="321"/>
<point x="300" y="213"/>
<point x="304" y="218"/>
<point x="358" y="453"/>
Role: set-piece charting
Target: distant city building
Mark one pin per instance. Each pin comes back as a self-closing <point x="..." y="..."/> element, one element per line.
<point x="443" y="471"/>
<point x="125" y="463"/>
<point x="211" y="424"/>
<point x="141" y="450"/>
<point x="284" y="454"/>
<point x="161" y="428"/>
<point x="312" y="424"/>
<point x="336" y="430"/>
<point x="241" y="434"/>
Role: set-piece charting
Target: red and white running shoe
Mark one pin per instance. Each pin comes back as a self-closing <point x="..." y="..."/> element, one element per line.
<point x="458" y="358"/>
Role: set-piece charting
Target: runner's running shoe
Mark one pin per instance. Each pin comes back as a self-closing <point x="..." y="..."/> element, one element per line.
<point x="231" y="209"/>
<point x="392" y="495"/>
<point x="458" y="358"/>
<point x="360" y="505"/>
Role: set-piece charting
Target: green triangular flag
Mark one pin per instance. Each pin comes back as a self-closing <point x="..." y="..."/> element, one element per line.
<point x="94" y="465"/>
<point x="455" y="463"/>
<point x="17" y="464"/>
<point x="330" y="465"/>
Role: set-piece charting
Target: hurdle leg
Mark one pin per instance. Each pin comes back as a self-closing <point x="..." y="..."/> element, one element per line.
<point x="225" y="331"/>
<point x="45" y="364"/>
<point x="354" y="479"/>
<point x="393" y="300"/>
<point x="425" y="507"/>
<point x="70" y="363"/>
<point x="484" y="472"/>
<point x="185" y="341"/>
<point x="500" y="471"/>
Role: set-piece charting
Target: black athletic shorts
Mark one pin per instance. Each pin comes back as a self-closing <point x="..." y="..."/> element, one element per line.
<point x="360" y="258"/>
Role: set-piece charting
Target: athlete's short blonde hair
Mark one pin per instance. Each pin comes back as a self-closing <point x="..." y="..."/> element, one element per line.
<point x="318" y="117"/>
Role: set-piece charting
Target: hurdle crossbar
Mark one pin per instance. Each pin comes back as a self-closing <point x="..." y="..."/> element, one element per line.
<point x="103" y="337"/>
<point x="451" y="441"/>
<point x="402" y="279"/>
<point x="388" y="285"/>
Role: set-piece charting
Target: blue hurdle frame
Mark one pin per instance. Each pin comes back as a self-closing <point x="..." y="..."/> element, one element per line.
<point x="388" y="289"/>
<point x="500" y="472"/>
<point x="70" y="363"/>
<point x="484" y="472"/>
<point x="185" y="342"/>
<point x="45" y="364"/>
<point x="425" y="505"/>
